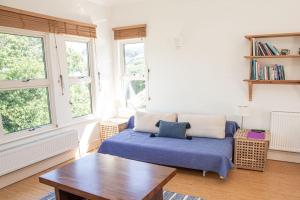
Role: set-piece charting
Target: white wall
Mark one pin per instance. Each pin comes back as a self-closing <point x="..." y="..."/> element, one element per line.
<point x="205" y="75"/>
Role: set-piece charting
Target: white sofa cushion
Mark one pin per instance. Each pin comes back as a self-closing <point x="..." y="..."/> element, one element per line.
<point x="211" y="126"/>
<point x="145" y="122"/>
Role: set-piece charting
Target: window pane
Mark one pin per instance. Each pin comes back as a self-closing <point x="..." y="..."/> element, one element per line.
<point x="136" y="94"/>
<point x="77" y="58"/>
<point x="134" y="59"/>
<point x="21" y="57"/>
<point x="24" y="108"/>
<point x="81" y="99"/>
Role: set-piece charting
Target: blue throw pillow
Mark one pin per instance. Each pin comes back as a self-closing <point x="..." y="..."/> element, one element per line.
<point x="172" y="129"/>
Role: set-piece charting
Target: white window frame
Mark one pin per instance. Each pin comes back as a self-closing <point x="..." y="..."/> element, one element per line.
<point x="123" y="109"/>
<point x="56" y="65"/>
<point x="80" y="80"/>
<point x="38" y="83"/>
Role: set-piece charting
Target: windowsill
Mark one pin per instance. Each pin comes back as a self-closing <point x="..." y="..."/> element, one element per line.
<point x="44" y="130"/>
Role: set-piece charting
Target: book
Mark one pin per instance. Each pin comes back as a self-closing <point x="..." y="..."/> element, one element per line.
<point x="254" y="47"/>
<point x="271" y="47"/>
<point x="264" y="49"/>
<point x="258" y="72"/>
<point x="256" y="135"/>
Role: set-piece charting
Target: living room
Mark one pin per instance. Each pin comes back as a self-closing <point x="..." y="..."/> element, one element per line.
<point x="213" y="87"/>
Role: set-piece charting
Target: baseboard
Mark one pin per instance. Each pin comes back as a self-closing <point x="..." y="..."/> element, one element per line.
<point x="28" y="171"/>
<point x="284" y="156"/>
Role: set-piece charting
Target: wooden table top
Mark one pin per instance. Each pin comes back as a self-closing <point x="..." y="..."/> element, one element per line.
<point x="100" y="176"/>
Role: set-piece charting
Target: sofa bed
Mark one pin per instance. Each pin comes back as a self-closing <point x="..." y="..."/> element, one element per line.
<point x="199" y="153"/>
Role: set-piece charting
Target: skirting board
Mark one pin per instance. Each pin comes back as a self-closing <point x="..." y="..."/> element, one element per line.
<point x="284" y="156"/>
<point x="26" y="172"/>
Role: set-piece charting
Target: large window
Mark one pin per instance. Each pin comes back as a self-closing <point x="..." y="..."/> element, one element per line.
<point x="45" y="82"/>
<point x="24" y="86"/>
<point x="134" y="75"/>
<point x="78" y="65"/>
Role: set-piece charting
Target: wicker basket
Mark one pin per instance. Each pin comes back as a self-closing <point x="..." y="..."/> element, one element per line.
<point x="250" y="153"/>
<point x="109" y="129"/>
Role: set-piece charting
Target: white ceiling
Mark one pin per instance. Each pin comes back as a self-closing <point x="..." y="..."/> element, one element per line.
<point x="114" y="2"/>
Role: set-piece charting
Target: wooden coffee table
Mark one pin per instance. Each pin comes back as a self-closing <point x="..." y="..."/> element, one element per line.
<point x="100" y="176"/>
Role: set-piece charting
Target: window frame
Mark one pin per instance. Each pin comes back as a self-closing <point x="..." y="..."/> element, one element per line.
<point x="56" y="65"/>
<point x="125" y="77"/>
<point x="73" y="80"/>
<point x="37" y="83"/>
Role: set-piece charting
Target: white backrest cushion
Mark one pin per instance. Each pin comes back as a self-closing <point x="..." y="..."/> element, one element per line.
<point x="211" y="126"/>
<point x="145" y="122"/>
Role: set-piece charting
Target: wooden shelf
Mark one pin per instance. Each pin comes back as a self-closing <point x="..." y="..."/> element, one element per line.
<point x="249" y="37"/>
<point x="281" y="82"/>
<point x="288" y="82"/>
<point x="281" y="56"/>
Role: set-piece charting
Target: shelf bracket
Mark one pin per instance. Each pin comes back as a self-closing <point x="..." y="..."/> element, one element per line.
<point x="250" y="87"/>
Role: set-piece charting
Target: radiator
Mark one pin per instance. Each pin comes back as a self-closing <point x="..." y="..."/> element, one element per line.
<point x="30" y="153"/>
<point x="285" y="131"/>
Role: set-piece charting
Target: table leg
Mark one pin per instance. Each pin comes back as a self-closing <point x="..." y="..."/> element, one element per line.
<point x="62" y="195"/>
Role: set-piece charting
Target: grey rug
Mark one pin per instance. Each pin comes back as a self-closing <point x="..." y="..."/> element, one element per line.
<point x="167" y="196"/>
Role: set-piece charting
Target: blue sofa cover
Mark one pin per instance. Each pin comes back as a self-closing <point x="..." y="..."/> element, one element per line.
<point x="199" y="153"/>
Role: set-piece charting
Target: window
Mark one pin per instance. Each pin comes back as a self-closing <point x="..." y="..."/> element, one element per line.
<point x="77" y="54"/>
<point x="45" y="82"/>
<point x="134" y="75"/>
<point x="24" y="85"/>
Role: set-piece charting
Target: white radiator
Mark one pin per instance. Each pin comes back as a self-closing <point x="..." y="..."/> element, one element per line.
<point x="30" y="153"/>
<point x="285" y="131"/>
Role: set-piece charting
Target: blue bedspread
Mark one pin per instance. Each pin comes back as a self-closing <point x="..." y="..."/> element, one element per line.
<point x="199" y="153"/>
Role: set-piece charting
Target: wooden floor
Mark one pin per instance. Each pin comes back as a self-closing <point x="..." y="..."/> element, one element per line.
<point x="280" y="181"/>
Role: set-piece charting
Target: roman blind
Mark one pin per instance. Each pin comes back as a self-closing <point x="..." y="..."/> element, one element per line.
<point x="129" y="32"/>
<point x="16" y="18"/>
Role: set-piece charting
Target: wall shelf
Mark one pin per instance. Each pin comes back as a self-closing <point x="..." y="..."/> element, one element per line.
<point x="281" y="56"/>
<point x="287" y="82"/>
<point x="281" y="82"/>
<point x="252" y="39"/>
<point x="273" y="35"/>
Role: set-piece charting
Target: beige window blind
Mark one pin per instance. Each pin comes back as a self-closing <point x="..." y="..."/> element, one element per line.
<point x="129" y="32"/>
<point x="16" y="18"/>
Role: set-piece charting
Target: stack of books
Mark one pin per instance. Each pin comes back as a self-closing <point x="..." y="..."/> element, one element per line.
<point x="258" y="72"/>
<point x="264" y="49"/>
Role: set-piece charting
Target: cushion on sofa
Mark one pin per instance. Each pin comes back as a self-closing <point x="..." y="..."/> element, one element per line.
<point x="145" y="122"/>
<point x="210" y="126"/>
<point x="172" y="129"/>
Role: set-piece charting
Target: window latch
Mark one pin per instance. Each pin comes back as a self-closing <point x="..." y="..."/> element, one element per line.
<point x="26" y="80"/>
<point x="31" y="129"/>
<point x="61" y="79"/>
<point x="34" y="128"/>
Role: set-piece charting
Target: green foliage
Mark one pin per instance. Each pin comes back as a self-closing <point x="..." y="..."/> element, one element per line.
<point x="77" y="59"/>
<point x="22" y="58"/>
<point x="135" y="59"/>
<point x="77" y="62"/>
<point x="24" y="108"/>
<point x="80" y="100"/>
<point x="137" y="86"/>
<point x="135" y="66"/>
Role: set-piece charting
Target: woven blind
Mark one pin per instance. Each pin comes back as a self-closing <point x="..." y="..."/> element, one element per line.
<point x="16" y="18"/>
<point x="129" y="32"/>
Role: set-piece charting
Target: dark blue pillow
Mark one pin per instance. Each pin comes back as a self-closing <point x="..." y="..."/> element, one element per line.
<point x="172" y="129"/>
